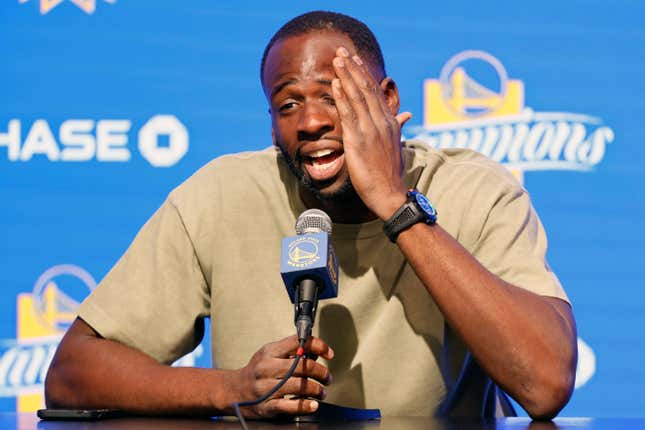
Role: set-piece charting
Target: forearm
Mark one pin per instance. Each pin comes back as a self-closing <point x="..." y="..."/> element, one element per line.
<point x="525" y="342"/>
<point x="91" y="372"/>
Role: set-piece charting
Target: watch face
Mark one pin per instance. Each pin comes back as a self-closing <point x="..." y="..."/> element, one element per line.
<point x="424" y="203"/>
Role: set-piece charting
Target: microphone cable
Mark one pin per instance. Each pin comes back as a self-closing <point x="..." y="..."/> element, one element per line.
<point x="236" y="406"/>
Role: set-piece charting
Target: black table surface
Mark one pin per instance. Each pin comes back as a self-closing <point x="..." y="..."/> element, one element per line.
<point x="29" y="421"/>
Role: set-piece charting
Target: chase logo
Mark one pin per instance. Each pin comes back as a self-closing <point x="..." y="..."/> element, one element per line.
<point x="162" y="141"/>
<point x="474" y="104"/>
<point x="303" y="252"/>
<point x="169" y="127"/>
<point x="87" y="6"/>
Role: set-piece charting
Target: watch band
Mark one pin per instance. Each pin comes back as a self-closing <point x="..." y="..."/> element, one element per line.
<point x="409" y="214"/>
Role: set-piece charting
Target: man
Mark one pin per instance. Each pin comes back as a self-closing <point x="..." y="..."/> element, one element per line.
<point x="421" y="311"/>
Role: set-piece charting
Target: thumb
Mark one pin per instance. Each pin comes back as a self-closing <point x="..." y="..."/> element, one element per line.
<point x="403" y="117"/>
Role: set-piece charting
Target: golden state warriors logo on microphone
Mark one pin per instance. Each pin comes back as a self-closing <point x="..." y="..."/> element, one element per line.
<point x="303" y="252"/>
<point x="309" y="256"/>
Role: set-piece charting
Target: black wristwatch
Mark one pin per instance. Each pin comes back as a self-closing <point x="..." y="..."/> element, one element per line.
<point x="416" y="209"/>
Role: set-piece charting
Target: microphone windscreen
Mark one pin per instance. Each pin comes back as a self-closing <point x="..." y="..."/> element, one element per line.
<point x="313" y="221"/>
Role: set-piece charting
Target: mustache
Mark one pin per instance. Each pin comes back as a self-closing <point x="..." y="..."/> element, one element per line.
<point x="304" y="136"/>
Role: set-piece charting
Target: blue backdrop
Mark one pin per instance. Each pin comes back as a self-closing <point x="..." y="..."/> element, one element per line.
<point x="108" y="105"/>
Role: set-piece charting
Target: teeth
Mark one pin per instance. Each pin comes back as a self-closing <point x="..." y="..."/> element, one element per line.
<point x="321" y="165"/>
<point x="320" y="153"/>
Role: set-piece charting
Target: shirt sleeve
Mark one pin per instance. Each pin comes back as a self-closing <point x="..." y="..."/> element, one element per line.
<point x="155" y="298"/>
<point x="512" y="244"/>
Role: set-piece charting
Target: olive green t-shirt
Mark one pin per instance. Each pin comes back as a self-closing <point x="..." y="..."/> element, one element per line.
<point x="213" y="250"/>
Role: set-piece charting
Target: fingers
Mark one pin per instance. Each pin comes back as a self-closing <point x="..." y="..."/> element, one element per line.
<point x="288" y="346"/>
<point x="348" y="117"/>
<point x="290" y="407"/>
<point x="302" y="387"/>
<point x="363" y="97"/>
<point x="403" y="117"/>
<point x="273" y="360"/>
<point x="319" y="347"/>
<point x="357" y="100"/>
<point x="275" y="368"/>
<point x="311" y="369"/>
<point x="295" y="386"/>
<point x="301" y="393"/>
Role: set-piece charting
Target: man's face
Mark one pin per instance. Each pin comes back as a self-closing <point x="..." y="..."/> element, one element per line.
<point x="306" y="126"/>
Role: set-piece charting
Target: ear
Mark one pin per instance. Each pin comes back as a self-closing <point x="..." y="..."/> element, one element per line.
<point x="391" y="93"/>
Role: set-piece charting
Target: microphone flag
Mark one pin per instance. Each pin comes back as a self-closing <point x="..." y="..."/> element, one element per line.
<point x="309" y="256"/>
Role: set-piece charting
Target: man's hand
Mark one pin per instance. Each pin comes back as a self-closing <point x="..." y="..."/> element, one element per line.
<point x="270" y="364"/>
<point x="371" y="134"/>
<point x="90" y="372"/>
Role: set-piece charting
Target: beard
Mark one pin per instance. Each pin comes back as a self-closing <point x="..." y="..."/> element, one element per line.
<point x="345" y="194"/>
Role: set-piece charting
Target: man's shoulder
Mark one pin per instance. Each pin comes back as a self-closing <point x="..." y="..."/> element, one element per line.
<point x="240" y="163"/>
<point x="451" y="167"/>
<point x="231" y="169"/>
<point x="231" y="179"/>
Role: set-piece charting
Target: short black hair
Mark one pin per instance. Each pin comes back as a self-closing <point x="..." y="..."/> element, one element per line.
<point x="358" y="32"/>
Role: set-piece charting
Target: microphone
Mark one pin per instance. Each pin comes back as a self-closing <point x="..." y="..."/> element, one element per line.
<point x="309" y="268"/>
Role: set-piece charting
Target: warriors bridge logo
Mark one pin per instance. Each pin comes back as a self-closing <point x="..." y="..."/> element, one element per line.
<point x="475" y="105"/>
<point x="42" y="317"/>
<point x="303" y="252"/>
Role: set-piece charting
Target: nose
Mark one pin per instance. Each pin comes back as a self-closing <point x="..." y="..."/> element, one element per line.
<point x="315" y="121"/>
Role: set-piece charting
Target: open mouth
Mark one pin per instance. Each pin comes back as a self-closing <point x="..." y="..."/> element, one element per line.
<point x="323" y="164"/>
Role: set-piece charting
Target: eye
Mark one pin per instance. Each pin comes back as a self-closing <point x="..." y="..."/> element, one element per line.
<point x="287" y="106"/>
<point x="329" y="99"/>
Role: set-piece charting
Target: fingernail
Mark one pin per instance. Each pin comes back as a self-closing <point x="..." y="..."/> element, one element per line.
<point x="357" y="60"/>
<point x="313" y="406"/>
<point x="331" y="351"/>
<point x="330" y="379"/>
<point x="343" y="52"/>
<point x="323" y="394"/>
<point x="338" y="62"/>
<point x="336" y="84"/>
